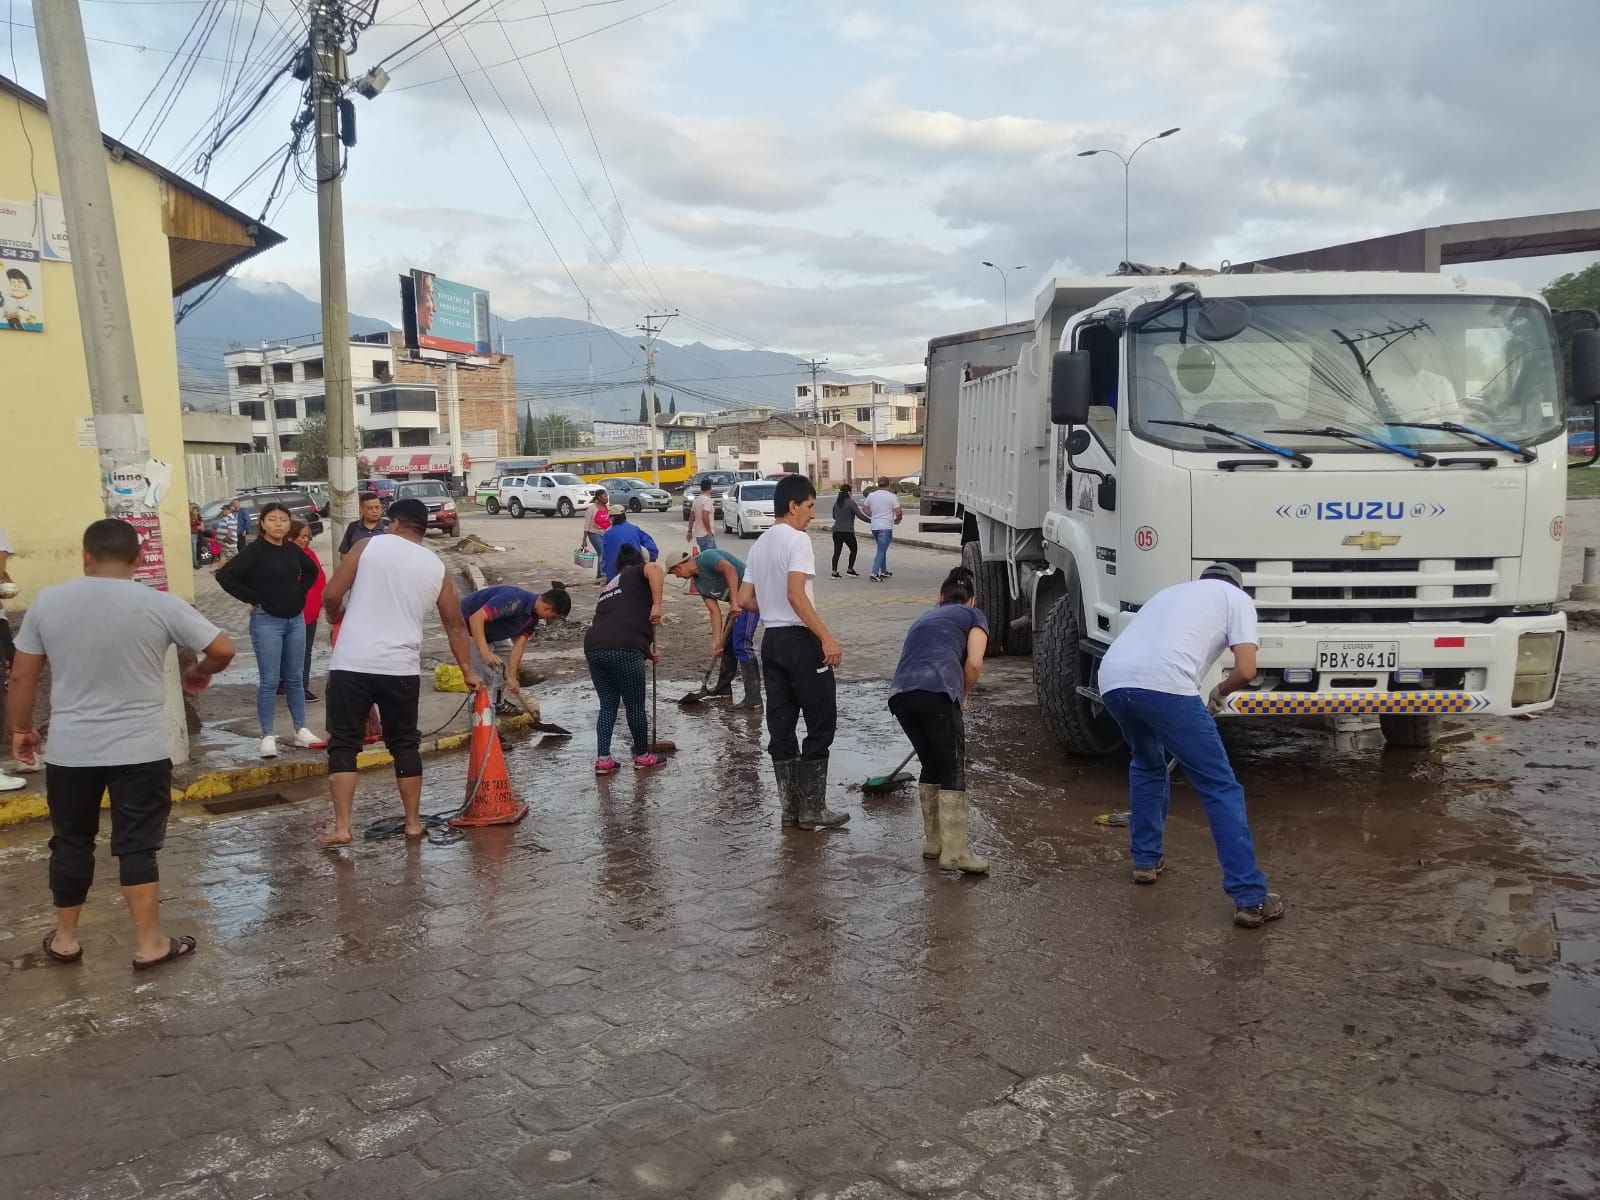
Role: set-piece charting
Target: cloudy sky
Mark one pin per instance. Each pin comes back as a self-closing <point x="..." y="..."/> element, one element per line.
<point x="825" y="177"/>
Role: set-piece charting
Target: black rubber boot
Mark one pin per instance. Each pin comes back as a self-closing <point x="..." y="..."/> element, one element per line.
<point x="726" y="667"/>
<point x="812" y="788"/>
<point x="750" y="676"/>
<point x="788" y="789"/>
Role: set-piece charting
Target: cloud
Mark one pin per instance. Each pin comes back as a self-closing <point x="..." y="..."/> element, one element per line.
<point x="874" y="115"/>
<point x="855" y="254"/>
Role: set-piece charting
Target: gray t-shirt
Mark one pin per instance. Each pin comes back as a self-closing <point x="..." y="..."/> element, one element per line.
<point x="107" y="641"/>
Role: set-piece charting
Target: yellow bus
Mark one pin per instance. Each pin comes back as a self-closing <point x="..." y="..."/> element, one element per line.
<point x="677" y="466"/>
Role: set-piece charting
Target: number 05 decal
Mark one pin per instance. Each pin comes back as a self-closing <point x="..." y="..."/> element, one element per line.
<point x="1144" y="537"/>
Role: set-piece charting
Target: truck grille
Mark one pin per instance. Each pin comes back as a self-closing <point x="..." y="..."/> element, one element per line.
<point x="1369" y="589"/>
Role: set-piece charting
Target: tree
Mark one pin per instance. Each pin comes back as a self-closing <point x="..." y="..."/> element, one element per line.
<point x="1576" y="289"/>
<point x="644" y="409"/>
<point x="530" y="446"/>
<point x="657" y="398"/>
<point x="312" y="457"/>
<point x="557" y="431"/>
<point x="672" y="406"/>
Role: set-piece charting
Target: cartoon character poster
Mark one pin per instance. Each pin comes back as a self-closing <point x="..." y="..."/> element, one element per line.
<point x="21" y="280"/>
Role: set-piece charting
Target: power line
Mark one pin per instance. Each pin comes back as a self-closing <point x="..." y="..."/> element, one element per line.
<point x="430" y="31"/>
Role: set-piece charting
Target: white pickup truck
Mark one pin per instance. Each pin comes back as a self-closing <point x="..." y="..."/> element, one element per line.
<point x="549" y="492"/>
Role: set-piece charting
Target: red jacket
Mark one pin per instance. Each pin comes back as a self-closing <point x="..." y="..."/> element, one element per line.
<point x="314" y="598"/>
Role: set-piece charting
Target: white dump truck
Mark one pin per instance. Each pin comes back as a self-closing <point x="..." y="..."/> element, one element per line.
<point x="1383" y="456"/>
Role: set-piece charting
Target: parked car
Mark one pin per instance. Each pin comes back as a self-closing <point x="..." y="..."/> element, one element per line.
<point x="555" y="493"/>
<point x="748" y="475"/>
<point x="384" y="489"/>
<point x="636" y="495"/>
<point x="441" y="504"/>
<point x="487" y="494"/>
<point x="319" y="493"/>
<point x="911" y="481"/>
<point x="253" y="501"/>
<point x="721" y="481"/>
<point x="747" y="509"/>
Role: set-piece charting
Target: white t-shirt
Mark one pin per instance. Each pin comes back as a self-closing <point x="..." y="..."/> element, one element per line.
<point x="397" y="582"/>
<point x="778" y="552"/>
<point x="1172" y="641"/>
<point x="881" y="506"/>
<point x="701" y="511"/>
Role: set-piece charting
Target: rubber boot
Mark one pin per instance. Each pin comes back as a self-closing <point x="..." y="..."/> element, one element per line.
<point x="724" y="685"/>
<point x="928" y="793"/>
<point x="750" y="676"/>
<point x="812" y="788"/>
<point x="788" y="795"/>
<point x="953" y="835"/>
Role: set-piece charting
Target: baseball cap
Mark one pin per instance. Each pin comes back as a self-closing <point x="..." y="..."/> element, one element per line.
<point x="676" y="558"/>
<point x="1223" y="570"/>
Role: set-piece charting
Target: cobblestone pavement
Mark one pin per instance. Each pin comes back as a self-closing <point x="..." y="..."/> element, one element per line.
<point x="648" y="989"/>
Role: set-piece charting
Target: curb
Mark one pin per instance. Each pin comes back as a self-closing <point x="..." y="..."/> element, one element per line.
<point x="921" y="542"/>
<point x="17" y="807"/>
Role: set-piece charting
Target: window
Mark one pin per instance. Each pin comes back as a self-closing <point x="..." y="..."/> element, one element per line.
<point x="380" y="368"/>
<point x="256" y="410"/>
<point x="864" y="414"/>
<point x="415" y="437"/>
<point x="802" y="390"/>
<point x="564" y="481"/>
<point x="791" y="468"/>
<point x="374" y="439"/>
<point x="388" y="400"/>
<point x="313" y="368"/>
<point x="258" y="445"/>
<point x="902" y="412"/>
<point x="289" y="442"/>
<point x="249" y="375"/>
<point x="416" y="491"/>
<point x="316" y="406"/>
<point x="286" y="409"/>
<point x="282" y="372"/>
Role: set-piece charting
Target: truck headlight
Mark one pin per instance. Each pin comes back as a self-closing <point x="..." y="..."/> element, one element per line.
<point x="1538" y="664"/>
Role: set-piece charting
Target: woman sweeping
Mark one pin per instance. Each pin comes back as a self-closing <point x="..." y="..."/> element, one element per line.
<point x="300" y="535"/>
<point x="845" y="512"/>
<point x="620" y="640"/>
<point x="940" y="662"/>
<point x="274" y="576"/>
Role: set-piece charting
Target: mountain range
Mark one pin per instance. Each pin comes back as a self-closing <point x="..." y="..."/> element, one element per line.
<point x="556" y="358"/>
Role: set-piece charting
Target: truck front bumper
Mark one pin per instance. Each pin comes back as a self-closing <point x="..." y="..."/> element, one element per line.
<point x="1509" y="666"/>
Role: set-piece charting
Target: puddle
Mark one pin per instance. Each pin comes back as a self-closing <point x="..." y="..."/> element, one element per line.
<point x="1508" y="898"/>
<point x="1503" y="973"/>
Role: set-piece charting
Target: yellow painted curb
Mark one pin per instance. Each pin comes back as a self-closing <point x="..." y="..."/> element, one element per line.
<point x="17" y="807"/>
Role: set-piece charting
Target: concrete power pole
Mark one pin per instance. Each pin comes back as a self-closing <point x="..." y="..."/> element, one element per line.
<point x="453" y="406"/>
<point x="814" y="365"/>
<point x="650" y="330"/>
<point x="131" y="481"/>
<point x="328" y="77"/>
<point x="274" y="442"/>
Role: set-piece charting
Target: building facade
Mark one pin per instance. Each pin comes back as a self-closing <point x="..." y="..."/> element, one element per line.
<point x="867" y="406"/>
<point x="829" y="454"/>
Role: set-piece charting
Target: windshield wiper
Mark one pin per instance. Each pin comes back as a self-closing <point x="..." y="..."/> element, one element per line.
<point x="1350" y="435"/>
<point x="1526" y="454"/>
<point x="1293" y="456"/>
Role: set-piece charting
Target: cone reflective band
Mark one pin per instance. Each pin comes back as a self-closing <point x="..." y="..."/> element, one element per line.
<point x="490" y="800"/>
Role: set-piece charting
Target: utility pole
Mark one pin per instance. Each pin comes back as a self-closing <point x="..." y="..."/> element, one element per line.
<point x="588" y="345"/>
<point x="328" y="73"/>
<point x="274" y="443"/>
<point x="453" y="407"/>
<point x="132" y="483"/>
<point x="814" y="365"/>
<point x="650" y="330"/>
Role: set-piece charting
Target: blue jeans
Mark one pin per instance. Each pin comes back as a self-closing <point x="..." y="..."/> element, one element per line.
<point x="1155" y="725"/>
<point x="709" y="542"/>
<point x="597" y="543"/>
<point x="280" y="648"/>
<point x="880" y="559"/>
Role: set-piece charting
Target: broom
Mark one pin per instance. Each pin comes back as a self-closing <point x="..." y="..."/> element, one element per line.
<point x="656" y="745"/>
<point x="886" y="783"/>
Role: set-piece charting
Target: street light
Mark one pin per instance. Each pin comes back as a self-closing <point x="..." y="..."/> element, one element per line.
<point x="1005" y="287"/>
<point x="1127" y="163"/>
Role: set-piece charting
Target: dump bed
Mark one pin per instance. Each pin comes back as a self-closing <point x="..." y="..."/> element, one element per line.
<point x="950" y="360"/>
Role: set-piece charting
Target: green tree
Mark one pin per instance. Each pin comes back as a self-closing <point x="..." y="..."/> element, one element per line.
<point x="312" y="456"/>
<point x="1575" y="289"/>
<point x="672" y="405"/>
<point x="530" y="443"/>
<point x="657" y="398"/>
<point x="644" y="409"/>
<point x="557" y="431"/>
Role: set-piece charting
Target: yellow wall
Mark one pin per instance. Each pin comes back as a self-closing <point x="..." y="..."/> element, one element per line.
<point x="49" y="485"/>
<point x="894" y="461"/>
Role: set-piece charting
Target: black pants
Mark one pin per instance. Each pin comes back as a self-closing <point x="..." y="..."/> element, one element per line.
<point x="311" y="636"/>
<point x="937" y="733"/>
<point x="840" y="542"/>
<point x="350" y="697"/>
<point x="798" y="684"/>
<point x="141" y="798"/>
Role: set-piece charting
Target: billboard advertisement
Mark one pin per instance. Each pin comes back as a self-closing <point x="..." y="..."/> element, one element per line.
<point x="440" y="314"/>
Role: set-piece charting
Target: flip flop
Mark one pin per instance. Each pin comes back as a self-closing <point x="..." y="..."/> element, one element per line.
<point x="181" y="947"/>
<point x="49" y="949"/>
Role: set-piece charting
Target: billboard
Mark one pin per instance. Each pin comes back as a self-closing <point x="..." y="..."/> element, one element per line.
<point x="440" y="314"/>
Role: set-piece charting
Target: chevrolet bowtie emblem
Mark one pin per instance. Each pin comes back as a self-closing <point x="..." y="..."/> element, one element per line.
<point x="1372" y="540"/>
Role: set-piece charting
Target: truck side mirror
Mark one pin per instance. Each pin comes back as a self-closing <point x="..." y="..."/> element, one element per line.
<point x="1071" y="389"/>
<point x="1585" y="368"/>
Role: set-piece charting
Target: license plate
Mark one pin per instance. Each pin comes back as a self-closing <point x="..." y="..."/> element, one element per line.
<point x="1358" y="656"/>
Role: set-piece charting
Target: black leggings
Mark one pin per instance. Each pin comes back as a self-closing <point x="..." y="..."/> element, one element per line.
<point x="141" y="798"/>
<point x="938" y="734"/>
<point x="840" y="541"/>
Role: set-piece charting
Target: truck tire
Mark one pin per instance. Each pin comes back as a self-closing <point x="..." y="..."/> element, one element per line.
<point x="493" y="506"/>
<point x="1059" y="669"/>
<point x="1418" y="730"/>
<point x="994" y="595"/>
<point x="515" y="509"/>
<point x="564" y="507"/>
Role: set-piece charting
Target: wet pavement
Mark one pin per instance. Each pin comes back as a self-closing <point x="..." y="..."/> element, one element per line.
<point x="649" y="989"/>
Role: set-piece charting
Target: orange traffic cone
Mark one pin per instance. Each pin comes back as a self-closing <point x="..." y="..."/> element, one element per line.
<point x="490" y="800"/>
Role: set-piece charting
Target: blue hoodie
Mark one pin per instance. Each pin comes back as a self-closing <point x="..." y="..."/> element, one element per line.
<point x="621" y="534"/>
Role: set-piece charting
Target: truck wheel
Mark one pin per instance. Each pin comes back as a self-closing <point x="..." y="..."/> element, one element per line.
<point x="515" y="509"/>
<point x="994" y="596"/>
<point x="453" y="530"/>
<point x="1420" y="730"/>
<point x="493" y="506"/>
<point x="1059" y="669"/>
<point x="564" y="507"/>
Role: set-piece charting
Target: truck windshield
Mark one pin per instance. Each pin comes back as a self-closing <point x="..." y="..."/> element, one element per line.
<point x="1372" y="365"/>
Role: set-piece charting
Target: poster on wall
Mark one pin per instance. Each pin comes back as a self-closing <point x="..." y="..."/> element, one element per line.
<point x="21" y="281"/>
<point x="53" y="225"/>
<point x="151" y="568"/>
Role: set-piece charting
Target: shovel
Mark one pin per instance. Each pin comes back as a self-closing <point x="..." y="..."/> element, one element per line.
<point x="705" y="681"/>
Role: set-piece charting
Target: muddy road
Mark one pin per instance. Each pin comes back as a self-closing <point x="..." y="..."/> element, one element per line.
<point x="648" y="989"/>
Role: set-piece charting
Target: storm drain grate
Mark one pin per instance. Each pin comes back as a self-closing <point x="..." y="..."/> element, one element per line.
<point x="245" y="802"/>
